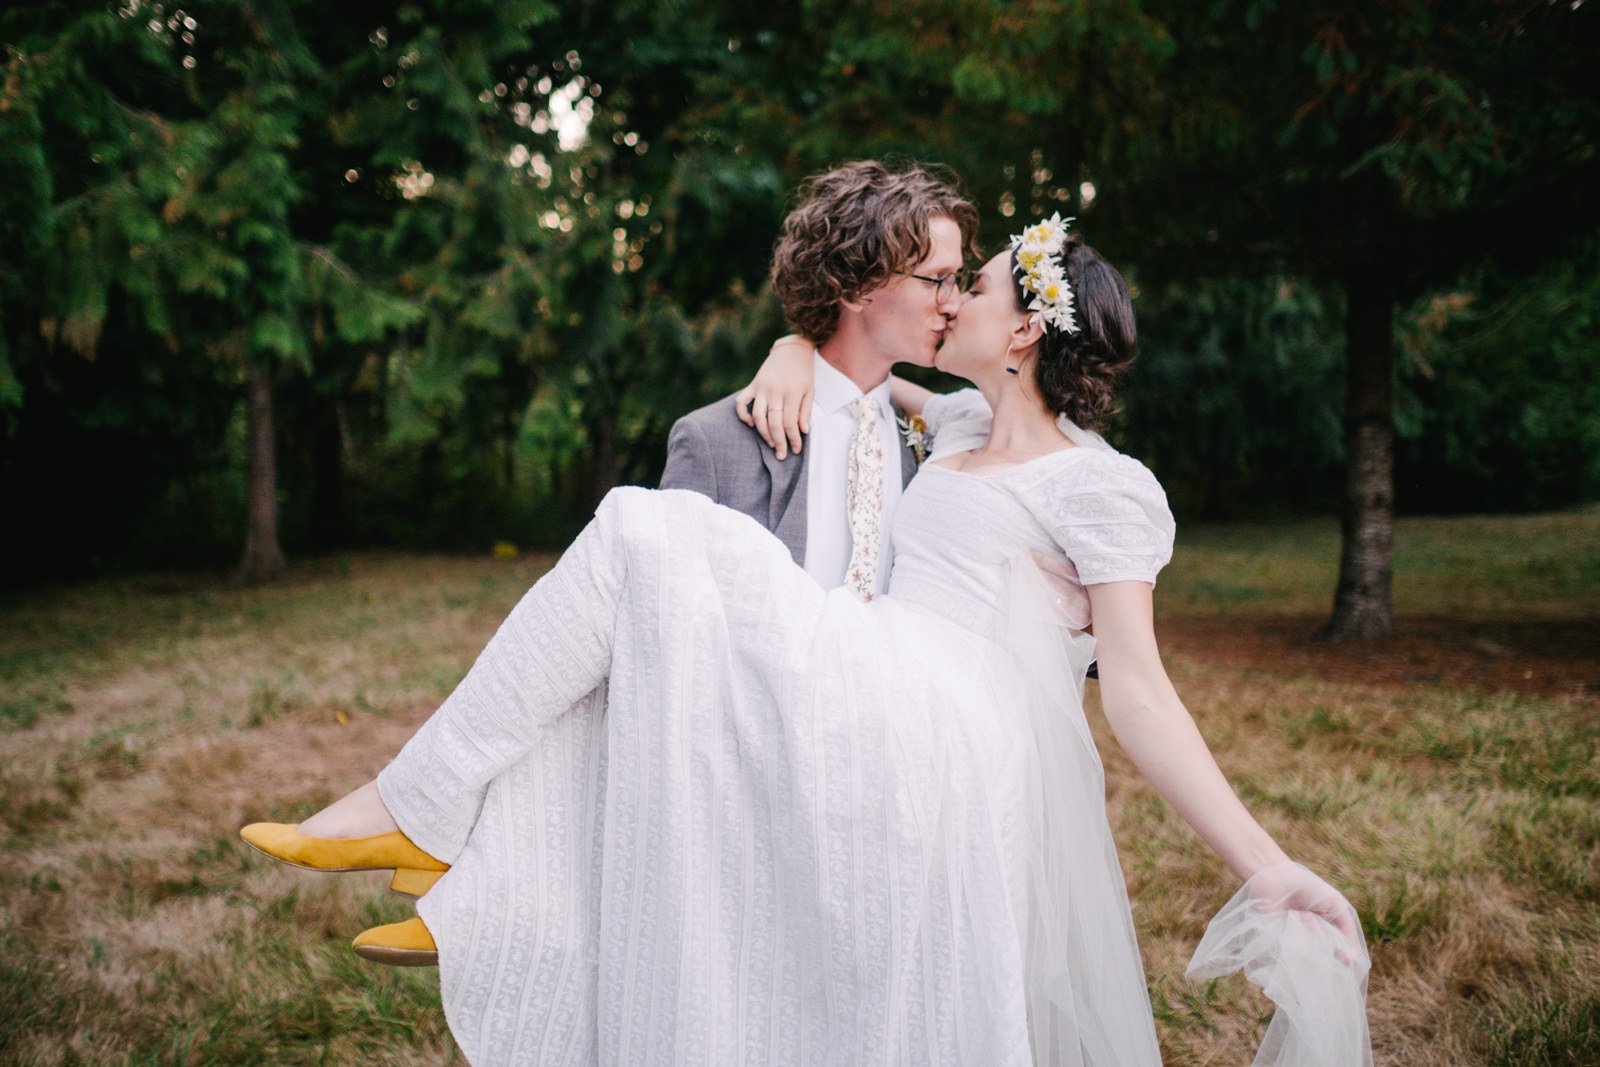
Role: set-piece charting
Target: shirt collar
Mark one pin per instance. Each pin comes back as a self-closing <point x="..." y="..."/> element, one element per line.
<point x="832" y="390"/>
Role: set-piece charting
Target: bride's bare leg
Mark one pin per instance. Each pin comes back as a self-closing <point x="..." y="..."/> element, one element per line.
<point x="359" y="813"/>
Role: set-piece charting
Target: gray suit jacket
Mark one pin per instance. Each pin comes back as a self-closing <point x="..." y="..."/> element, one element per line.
<point x="710" y="451"/>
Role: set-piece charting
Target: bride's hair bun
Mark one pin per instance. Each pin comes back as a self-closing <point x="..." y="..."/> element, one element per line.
<point x="1076" y="372"/>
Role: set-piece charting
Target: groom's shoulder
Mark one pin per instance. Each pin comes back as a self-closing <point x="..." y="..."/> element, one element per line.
<point x="710" y="451"/>
<point x="719" y="423"/>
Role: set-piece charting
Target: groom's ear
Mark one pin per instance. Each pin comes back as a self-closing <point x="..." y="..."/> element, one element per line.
<point x="852" y="302"/>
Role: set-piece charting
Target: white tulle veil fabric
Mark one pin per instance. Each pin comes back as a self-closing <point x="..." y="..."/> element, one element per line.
<point x="1087" y="1003"/>
<point x="1315" y="976"/>
<point x="1085" y="981"/>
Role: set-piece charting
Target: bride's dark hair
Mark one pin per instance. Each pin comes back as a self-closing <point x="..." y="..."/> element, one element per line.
<point x="1077" y="372"/>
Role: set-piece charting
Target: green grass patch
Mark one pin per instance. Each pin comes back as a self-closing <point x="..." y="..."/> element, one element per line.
<point x="1544" y="1032"/>
<point x="1533" y="566"/>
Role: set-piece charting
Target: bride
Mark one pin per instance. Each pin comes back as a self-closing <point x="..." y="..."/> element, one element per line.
<point x="691" y="807"/>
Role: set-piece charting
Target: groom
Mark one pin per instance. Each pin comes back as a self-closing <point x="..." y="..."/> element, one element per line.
<point x="864" y="268"/>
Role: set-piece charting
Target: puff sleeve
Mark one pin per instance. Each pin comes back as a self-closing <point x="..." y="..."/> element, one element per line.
<point x="957" y="422"/>
<point x="1109" y="515"/>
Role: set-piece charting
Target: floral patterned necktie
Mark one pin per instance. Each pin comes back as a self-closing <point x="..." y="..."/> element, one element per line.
<point x="865" y="499"/>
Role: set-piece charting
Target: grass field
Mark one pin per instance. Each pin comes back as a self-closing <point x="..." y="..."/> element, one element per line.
<point x="1449" y="780"/>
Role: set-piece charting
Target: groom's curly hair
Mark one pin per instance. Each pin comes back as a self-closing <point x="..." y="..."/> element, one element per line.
<point x="1076" y="373"/>
<point x="857" y="226"/>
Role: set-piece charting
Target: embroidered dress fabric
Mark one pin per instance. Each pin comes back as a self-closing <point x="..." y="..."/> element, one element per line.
<point x="700" y="810"/>
<point x="780" y="837"/>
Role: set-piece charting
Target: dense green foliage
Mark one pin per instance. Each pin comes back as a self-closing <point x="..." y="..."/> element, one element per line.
<point x="488" y="251"/>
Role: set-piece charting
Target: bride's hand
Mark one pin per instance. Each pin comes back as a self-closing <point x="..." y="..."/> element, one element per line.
<point x="1289" y="886"/>
<point x="778" y="402"/>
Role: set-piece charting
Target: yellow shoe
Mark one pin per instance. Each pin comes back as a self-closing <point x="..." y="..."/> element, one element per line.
<point x="406" y="944"/>
<point x="414" y="870"/>
<point x="410" y="882"/>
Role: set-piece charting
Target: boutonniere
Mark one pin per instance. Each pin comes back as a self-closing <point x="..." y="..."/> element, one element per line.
<point x="915" y="431"/>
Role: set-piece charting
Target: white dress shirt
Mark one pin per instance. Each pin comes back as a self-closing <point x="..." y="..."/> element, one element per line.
<point x="828" y="475"/>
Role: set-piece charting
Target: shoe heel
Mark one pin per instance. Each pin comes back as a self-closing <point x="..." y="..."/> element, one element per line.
<point x="410" y="882"/>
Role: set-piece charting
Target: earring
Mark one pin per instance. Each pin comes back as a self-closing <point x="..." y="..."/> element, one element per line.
<point x="1011" y="370"/>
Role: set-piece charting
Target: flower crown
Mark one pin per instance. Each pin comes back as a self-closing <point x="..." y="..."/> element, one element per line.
<point x="1039" y="267"/>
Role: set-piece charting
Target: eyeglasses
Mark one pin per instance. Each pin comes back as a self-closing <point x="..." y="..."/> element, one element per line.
<point x="946" y="287"/>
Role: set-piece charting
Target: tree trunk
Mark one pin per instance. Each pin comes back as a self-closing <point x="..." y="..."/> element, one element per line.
<point x="508" y="446"/>
<point x="1363" y="604"/>
<point x="602" y="454"/>
<point x="327" y="471"/>
<point x="263" y="557"/>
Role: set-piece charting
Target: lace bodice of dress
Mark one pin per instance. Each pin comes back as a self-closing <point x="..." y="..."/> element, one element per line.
<point x="1099" y="514"/>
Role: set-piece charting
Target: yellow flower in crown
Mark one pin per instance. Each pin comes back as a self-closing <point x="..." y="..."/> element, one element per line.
<point x="1044" y="232"/>
<point x="1037" y="249"/>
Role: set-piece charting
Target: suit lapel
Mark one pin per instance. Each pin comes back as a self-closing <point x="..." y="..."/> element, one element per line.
<point x="786" y="510"/>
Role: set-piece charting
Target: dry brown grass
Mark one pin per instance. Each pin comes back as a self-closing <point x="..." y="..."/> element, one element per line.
<point x="141" y="723"/>
<point x="148" y="721"/>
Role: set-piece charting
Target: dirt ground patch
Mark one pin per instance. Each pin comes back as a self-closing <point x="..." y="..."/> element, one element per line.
<point x="1541" y="657"/>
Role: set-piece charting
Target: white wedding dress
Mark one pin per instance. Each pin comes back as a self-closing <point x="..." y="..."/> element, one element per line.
<point x="700" y="810"/>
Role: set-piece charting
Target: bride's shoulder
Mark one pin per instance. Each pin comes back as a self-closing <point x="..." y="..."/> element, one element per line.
<point x="1107" y="513"/>
<point x="1095" y="468"/>
<point x="1098" y="484"/>
<point x="1106" y="468"/>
